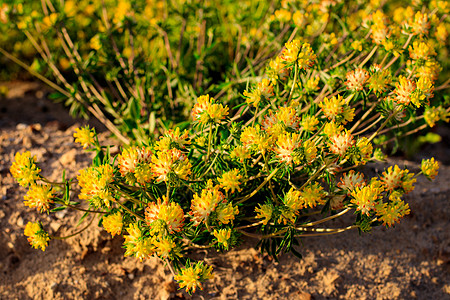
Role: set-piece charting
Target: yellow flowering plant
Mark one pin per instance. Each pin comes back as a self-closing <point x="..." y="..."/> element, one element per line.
<point x="284" y="161"/>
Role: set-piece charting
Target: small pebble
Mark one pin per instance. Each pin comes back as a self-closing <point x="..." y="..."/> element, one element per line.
<point x="20" y="222"/>
<point x="21" y="126"/>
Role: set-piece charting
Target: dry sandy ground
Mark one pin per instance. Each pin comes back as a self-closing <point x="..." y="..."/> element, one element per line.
<point x="410" y="261"/>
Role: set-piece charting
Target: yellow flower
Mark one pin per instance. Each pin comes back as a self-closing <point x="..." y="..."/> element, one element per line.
<point x="365" y="151"/>
<point x="255" y="139"/>
<point x="192" y="277"/>
<point x="421" y="23"/>
<point x="94" y="183"/>
<point x="128" y="160"/>
<point x="240" y="153"/>
<point x="37" y="237"/>
<point x="223" y="236"/>
<point x="429" y="168"/>
<point x="286" y="145"/>
<point x="423" y="92"/>
<point x="309" y="123"/>
<point x="356" y="79"/>
<point x="420" y="50"/>
<point x="312" y="85"/>
<point x="207" y="111"/>
<point x="351" y="180"/>
<point x="379" y="80"/>
<point x="300" y="53"/>
<point x="404" y="89"/>
<point x="136" y="244"/>
<point x="429" y="70"/>
<point x="441" y="34"/>
<point x="253" y="97"/>
<point x="292" y="200"/>
<point x="143" y="173"/>
<point x="204" y="204"/>
<point x="170" y="162"/>
<point x="283" y="15"/>
<point x="173" y="139"/>
<point x="24" y="169"/>
<point x="390" y="213"/>
<point x="226" y="212"/>
<point x="113" y="223"/>
<point x="331" y="129"/>
<point x="299" y="18"/>
<point x="366" y="198"/>
<point x="170" y="213"/>
<point x="122" y="10"/>
<point x="231" y="180"/>
<point x="85" y="136"/>
<point x="396" y="178"/>
<point x="337" y="109"/>
<point x="166" y="247"/>
<point x="434" y="114"/>
<point x="340" y="142"/>
<point x="39" y="196"/>
<point x="264" y="211"/>
<point x="357" y="45"/>
<point x="276" y="70"/>
<point x="312" y="195"/>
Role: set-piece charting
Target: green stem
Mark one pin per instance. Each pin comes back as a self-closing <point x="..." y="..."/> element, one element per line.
<point x="259" y="187"/>
<point x="293" y="84"/>
<point x="74" y="234"/>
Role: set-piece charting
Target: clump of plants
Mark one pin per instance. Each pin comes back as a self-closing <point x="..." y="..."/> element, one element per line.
<point x="283" y="162"/>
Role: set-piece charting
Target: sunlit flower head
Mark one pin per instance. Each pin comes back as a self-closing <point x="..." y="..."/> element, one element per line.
<point x="421" y="23"/>
<point x="277" y="70"/>
<point x="231" y="180"/>
<point x="165" y="247"/>
<point x="240" y="153"/>
<point x="203" y="204"/>
<point x="356" y="79"/>
<point x="136" y="244"/>
<point x="404" y="89"/>
<point x="170" y="162"/>
<point x="207" y="111"/>
<point x="226" y="212"/>
<point x="173" y="139"/>
<point x="429" y="168"/>
<point x="299" y="52"/>
<point x="312" y="195"/>
<point x="366" y="197"/>
<point x="351" y="180"/>
<point x="24" y="168"/>
<point x="113" y="223"/>
<point x="254" y="139"/>
<point x="286" y="145"/>
<point x="39" y="196"/>
<point x="264" y="212"/>
<point x="309" y="123"/>
<point x="94" y="183"/>
<point x="340" y="142"/>
<point x="170" y="213"/>
<point x="390" y="213"/>
<point x="420" y="50"/>
<point x="192" y="277"/>
<point x="37" y="236"/>
<point x="223" y="236"/>
<point x="85" y="136"/>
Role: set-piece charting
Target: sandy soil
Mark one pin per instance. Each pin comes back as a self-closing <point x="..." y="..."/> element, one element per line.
<point x="410" y="261"/>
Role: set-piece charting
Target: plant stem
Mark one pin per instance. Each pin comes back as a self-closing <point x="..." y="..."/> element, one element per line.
<point x="74" y="234"/>
<point x="259" y="187"/>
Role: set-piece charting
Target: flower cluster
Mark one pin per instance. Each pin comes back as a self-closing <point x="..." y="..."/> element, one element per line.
<point x="276" y="160"/>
